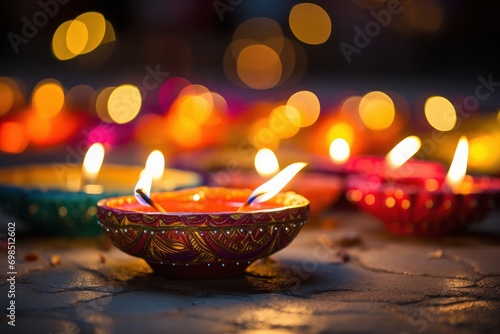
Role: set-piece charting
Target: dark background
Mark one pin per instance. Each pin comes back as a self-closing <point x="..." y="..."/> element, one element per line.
<point x="188" y="39"/>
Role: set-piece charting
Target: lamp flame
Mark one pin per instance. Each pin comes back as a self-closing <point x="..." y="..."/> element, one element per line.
<point x="458" y="168"/>
<point x="156" y="164"/>
<point x="403" y="151"/>
<point x="93" y="162"/>
<point x="272" y="187"/>
<point x="266" y="163"/>
<point x="144" y="184"/>
<point x="339" y="150"/>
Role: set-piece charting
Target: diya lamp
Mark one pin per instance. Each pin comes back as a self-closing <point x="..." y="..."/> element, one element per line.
<point x="321" y="189"/>
<point x="427" y="206"/>
<point x="396" y="161"/>
<point x="62" y="199"/>
<point x="205" y="232"/>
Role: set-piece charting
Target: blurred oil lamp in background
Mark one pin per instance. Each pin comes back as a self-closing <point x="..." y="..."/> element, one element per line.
<point x="90" y="170"/>
<point x="61" y="198"/>
<point x="397" y="163"/>
<point x="199" y="232"/>
<point x="428" y="206"/>
<point x="339" y="151"/>
<point x="266" y="163"/>
<point x="321" y="189"/>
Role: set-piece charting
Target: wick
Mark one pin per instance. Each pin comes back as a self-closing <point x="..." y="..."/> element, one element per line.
<point x="148" y="200"/>
<point x="249" y="202"/>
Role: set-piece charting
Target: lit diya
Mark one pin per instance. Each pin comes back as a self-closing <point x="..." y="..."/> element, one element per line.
<point x="396" y="163"/>
<point x="321" y="189"/>
<point x="205" y="232"/>
<point x="428" y="206"/>
<point x="62" y="199"/>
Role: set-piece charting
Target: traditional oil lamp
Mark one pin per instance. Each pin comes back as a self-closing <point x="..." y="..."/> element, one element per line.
<point x="205" y="232"/>
<point x="397" y="163"/>
<point x="62" y="198"/>
<point x="428" y="206"/>
<point x="321" y="189"/>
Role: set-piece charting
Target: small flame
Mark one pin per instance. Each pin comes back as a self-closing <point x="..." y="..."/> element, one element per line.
<point x="458" y="168"/>
<point x="144" y="183"/>
<point x="339" y="150"/>
<point x="272" y="187"/>
<point x="92" y="162"/>
<point x="403" y="151"/>
<point x="266" y="162"/>
<point x="156" y="164"/>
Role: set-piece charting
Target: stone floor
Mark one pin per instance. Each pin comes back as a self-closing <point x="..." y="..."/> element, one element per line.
<point x="351" y="277"/>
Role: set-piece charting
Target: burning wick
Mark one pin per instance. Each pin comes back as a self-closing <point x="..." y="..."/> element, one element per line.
<point x="148" y="200"/>
<point x="249" y="201"/>
<point x="142" y="190"/>
<point x="272" y="187"/>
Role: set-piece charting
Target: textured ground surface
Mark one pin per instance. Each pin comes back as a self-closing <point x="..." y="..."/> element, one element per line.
<point x="374" y="282"/>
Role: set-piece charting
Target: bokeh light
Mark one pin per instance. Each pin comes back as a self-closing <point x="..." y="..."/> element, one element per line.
<point x="81" y="35"/>
<point x="194" y="103"/>
<point x="219" y="109"/>
<point x="262" y="136"/>
<point x="440" y="113"/>
<point x="184" y="132"/>
<point x="259" y="66"/>
<point x="124" y="103"/>
<point x="39" y="129"/>
<point x="303" y="108"/>
<point x="257" y="30"/>
<point x="95" y="25"/>
<point x="170" y="90"/>
<point x="6" y="98"/>
<point x="483" y="154"/>
<point x="280" y="124"/>
<point x="196" y="108"/>
<point x="310" y="23"/>
<point x="341" y="130"/>
<point x="266" y="163"/>
<point x="59" y="46"/>
<point x="101" y="104"/>
<point x="339" y="150"/>
<point x="13" y="137"/>
<point x="377" y="110"/>
<point x="286" y="63"/>
<point x="148" y="124"/>
<point x="48" y="98"/>
<point x="77" y="37"/>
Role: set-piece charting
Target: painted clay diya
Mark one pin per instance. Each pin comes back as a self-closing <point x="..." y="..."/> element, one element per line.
<point x="202" y="235"/>
<point x="42" y="196"/>
<point x="418" y="206"/>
